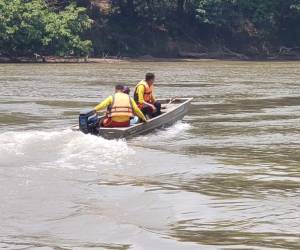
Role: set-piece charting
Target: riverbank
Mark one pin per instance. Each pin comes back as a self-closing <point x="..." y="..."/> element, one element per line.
<point x="183" y="56"/>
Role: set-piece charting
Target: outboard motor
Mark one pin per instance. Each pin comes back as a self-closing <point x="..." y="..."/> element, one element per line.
<point x="88" y="121"/>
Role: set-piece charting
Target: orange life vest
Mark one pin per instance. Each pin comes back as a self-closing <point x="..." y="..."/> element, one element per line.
<point x="148" y="96"/>
<point x="121" y="106"/>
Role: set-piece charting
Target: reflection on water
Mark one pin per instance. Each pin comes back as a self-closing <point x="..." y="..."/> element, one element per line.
<point x="241" y="239"/>
<point x="225" y="177"/>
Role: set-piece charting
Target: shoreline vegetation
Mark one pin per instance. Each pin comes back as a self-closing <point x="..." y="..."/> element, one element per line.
<point x="72" y="31"/>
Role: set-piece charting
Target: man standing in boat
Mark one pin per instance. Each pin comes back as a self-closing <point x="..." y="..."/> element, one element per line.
<point x="144" y="96"/>
<point x="120" y="108"/>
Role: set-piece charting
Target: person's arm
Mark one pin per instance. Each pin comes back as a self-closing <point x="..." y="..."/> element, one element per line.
<point x="140" y="92"/>
<point x="137" y="111"/>
<point x="108" y="101"/>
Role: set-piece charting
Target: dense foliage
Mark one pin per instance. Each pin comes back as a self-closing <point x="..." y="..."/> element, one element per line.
<point x="268" y="19"/>
<point x="156" y="27"/>
<point x="28" y="27"/>
<point x="251" y="27"/>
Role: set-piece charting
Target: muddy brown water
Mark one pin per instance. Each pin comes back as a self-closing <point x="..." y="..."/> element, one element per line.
<point x="226" y="177"/>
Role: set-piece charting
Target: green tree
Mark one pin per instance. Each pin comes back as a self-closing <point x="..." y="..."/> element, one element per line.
<point x="263" y="19"/>
<point x="28" y="27"/>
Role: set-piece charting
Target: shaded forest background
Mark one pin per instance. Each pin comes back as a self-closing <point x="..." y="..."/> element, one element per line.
<point x="133" y="28"/>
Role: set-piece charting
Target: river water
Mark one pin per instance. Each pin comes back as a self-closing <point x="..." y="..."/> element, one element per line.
<point x="226" y="177"/>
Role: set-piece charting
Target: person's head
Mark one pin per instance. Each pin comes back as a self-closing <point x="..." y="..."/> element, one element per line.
<point x="119" y="88"/>
<point x="126" y="90"/>
<point x="150" y="78"/>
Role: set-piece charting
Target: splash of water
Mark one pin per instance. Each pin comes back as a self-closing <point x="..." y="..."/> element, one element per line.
<point x="169" y="133"/>
<point x="67" y="149"/>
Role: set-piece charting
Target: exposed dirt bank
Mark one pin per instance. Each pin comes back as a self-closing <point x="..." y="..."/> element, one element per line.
<point x="183" y="56"/>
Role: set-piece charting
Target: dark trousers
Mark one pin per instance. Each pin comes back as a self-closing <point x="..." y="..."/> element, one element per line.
<point x="148" y="111"/>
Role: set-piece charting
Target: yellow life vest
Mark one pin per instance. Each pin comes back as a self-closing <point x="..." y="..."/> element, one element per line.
<point x="121" y="106"/>
<point x="148" y="96"/>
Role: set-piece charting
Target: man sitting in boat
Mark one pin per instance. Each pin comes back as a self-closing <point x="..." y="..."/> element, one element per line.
<point x="120" y="108"/>
<point x="144" y="96"/>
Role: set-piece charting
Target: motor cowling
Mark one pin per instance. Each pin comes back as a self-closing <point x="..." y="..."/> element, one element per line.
<point x="88" y="121"/>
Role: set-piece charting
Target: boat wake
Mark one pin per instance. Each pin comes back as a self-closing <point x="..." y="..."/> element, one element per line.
<point x="163" y="139"/>
<point x="75" y="150"/>
<point x="176" y="130"/>
<point x="63" y="149"/>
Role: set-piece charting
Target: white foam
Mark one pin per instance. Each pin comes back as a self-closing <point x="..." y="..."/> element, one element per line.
<point x="169" y="133"/>
<point x="175" y="130"/>
<point x="60" y="149"/>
